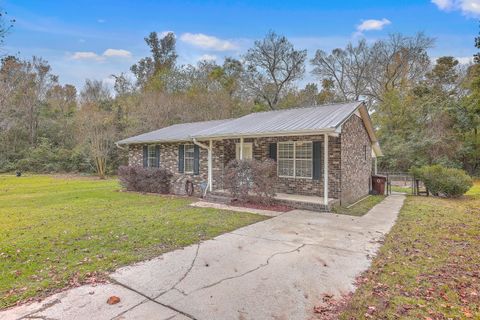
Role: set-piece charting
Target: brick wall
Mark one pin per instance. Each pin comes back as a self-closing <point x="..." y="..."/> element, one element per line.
<point x="302" y="186"/>
<point x="169" y="160"/>
<point x="345" y="152"/>
<point x="356" y="160"/>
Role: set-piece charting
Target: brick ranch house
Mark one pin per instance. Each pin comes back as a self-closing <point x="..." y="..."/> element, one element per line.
<point x="324" y="154"/>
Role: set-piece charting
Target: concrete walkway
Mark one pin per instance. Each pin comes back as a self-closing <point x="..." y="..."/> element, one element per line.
<point x="274" y="269"/>
<point x="222" y="206"/>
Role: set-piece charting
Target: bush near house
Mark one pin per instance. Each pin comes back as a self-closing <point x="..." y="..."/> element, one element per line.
<point x="154" y="180"/>
<point x="441" y="181"/>
<point x="251" y="180"/>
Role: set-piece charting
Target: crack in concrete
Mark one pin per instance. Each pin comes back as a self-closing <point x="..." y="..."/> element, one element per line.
<point x="249" y="271"/>
<point x="155" y="301"/>
<point x="42" y="308"/>
<point x="291" y="242"/>
<point x="39" y="317"/>
<point x="129" y="309"/>
<point x="183" y="277"/>
<point x="181" y="291"/>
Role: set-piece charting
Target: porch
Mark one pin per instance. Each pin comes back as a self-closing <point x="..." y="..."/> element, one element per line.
<point x="294" y="201"/>
<point x="308" y="166"/>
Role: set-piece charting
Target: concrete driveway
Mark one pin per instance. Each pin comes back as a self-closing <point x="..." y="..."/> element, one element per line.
<point x="275" y="269"/>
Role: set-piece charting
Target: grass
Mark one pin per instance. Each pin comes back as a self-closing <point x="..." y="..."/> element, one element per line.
<point x="360" y="208"/>
<point x="57" y="232"/>
<point x="407" y="190"/>
<point x="429" y="266"/>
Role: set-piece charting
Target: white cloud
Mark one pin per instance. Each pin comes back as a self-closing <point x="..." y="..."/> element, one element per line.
<point x="208" y="57"/>
<point x="373" y="24"/>
<point x="117" y="53"/>
<point x="467" y="7"/>
<point x="443" y="4"/>
<point x="207" y="42"/>
<point x="464" y="60"/>
<point x="109" y="53"/>
<point x="470" y="7"/>
<point x="86" y="55"/>
<point x="101" y="20"/>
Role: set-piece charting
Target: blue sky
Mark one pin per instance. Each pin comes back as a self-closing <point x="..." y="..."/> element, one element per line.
<point x="94" y="39"/>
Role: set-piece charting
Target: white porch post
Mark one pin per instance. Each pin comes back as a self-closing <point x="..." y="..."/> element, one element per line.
<point x="210" y="180"/>
<point x="325" y="169"/>
<point x="241" y="148"/>
<point x="375" y="165"/>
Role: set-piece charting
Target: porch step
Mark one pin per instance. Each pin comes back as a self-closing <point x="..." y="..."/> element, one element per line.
<point x="218" y="198"/>
<point x="302" y="205"/>
<point x="294" y="202"/>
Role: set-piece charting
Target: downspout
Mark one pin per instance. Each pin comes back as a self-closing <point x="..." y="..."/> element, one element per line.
<point x="209" y="149"/>
<point x="120" y="147"/>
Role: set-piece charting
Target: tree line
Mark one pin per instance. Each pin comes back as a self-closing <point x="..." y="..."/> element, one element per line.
<point x="426" y="112"/>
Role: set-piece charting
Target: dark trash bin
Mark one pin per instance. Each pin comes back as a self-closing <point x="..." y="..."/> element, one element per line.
<point x="378" y="184"/>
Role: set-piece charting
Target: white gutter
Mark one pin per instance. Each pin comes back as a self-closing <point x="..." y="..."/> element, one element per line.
<point x="118" y="146"/>
<point x="268" y="134"/>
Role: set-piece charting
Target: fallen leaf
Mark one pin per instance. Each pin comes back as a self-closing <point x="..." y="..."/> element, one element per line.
<point x="113" y="300"/>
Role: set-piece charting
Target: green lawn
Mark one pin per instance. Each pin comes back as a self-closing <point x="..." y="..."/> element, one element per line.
<point x="55" y="232"/>
<point x="429" y="266"/>
<point x="360" y="208"/>
<point x="407" y="190"/>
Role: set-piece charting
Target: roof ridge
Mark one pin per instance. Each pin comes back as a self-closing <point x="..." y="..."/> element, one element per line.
<point x="203" y="121"/>
<point x="302" y="107"/>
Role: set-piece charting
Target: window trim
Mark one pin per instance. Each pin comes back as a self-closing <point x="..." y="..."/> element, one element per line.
<point x="154" y="148"/>
<point x="185" y="158"/>
<point x="294" y="159"/>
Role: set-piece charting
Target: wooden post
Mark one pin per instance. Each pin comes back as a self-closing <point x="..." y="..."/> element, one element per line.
<point x="241" y="148"/>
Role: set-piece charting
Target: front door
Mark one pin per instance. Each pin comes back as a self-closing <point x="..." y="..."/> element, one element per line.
<point x="247" y="151"/>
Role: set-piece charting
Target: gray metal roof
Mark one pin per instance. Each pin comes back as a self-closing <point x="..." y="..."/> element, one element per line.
<point x="177" y="132"/>
<point x="309" y="120"/>
<point x="288" y="121"/>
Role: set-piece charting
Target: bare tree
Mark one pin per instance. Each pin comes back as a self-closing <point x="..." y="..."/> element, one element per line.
<point x="5" y="26"/>
<point x="24" y="87"/>
<point x="476" y="56"/>
<point x="95" y="124"/>
<point x="272" y="65"/>
<point x="398" y="61"/>
<point x="371" y="71"/>
<point x="347" y="68"/>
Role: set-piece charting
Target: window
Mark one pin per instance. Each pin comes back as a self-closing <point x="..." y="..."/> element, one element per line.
<point x="365" y="151"/>
<point x="295" y="159"/>
<point x="303" y="159"/>
<point x="152" y="156"/>
<point x="189" y="158"/>
<point x="285" y="159"/>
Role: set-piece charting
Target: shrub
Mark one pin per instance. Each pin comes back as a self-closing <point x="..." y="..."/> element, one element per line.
<point x="47" y="158"/>
<point x="136" y="178"/>
<point x="441" y="181"/>
<point x="251" y="180"/>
